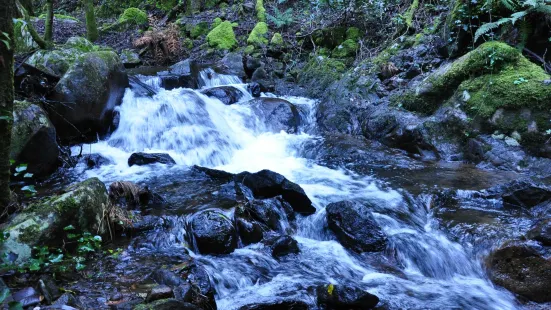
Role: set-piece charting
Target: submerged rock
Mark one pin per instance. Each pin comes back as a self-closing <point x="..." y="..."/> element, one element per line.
<point x="355" y="227"/>
<point x="226" y="94"/>
<point x="277" y="114"/>
<point x="33" y="139"/>
<point x="87" y="95"/>
<point x="521" y="270"/>
<point x="82" y="205"/>
<point x="212" y="232"/>
<point x="334" y="297"/>
<point x="142" y="159"/>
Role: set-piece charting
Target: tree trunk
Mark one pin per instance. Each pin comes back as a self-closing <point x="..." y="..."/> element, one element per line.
<point x="49" y="31"/>
<point x="36" y="37"/>
<point x="91" y="27"/>
<point x="28" y="5"/>
<point x="7" y="13"/>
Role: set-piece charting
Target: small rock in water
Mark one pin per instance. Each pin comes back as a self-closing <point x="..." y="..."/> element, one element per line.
<point x="334" y="297"/>
<point x="283" y="246"/>
<point x="159" y="292"/>
<point x="141" y="159"/>
<point x="213" y="232"/>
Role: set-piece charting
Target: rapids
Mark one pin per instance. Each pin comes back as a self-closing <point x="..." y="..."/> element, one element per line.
<point x="421" y="269"/>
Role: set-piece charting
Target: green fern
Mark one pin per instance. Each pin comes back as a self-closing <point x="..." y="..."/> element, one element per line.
<point x="281" y="19"/>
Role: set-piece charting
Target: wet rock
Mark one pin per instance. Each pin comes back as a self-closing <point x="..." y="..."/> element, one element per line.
<point x="159" y="292"/>
<point x="232" y="64"/>
<point x="27" y="297"/>
<point x="254" y="89"/>
<point x="541" y="232"/>
<point x="265" y="81"/>
<point x="33" y="139"/>
<point x="94" y="161"/>
<point x="82" y="205"/>
<point x="213" y="233"/>
<point x="272" y="212"/>
<point x="249" y="230"/>
<point x="355" y="227"/>
<point x="277" y="114"/>
<point x="140" y="88"/>
<point x="475" y="151"/>
<point x="66" y="299"/>
<point x="278" y="305"/>
<point x="227" y="94"/>
<point x="87" y="95"/>
<point x="141" y="159"/>
<point x="333" y="297"/>
<point x="49" y="289"/>
<point x="269" y="184"/>
<point x="202" y="291"/>
<point x="521" y="270"/>
<point x="525" y="194"/>
<point x="167" y="304"/>
<point x="283" y="246"/>
<point x="182" y="74"/>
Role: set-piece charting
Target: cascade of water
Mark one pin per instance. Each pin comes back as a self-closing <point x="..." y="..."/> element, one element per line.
<point x="435" y="272"/>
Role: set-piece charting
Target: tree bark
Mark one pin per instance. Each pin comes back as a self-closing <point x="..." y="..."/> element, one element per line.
<point x="7" y="13"/>
<point x="91" y="27"/>
<point x="34" y="34"/>
<point x="49" y="28"/>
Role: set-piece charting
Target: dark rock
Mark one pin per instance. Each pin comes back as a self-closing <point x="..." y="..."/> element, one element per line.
<point x="150" y="198"/>
<point x="269" y="184"/>
<point x="86" y="96"/>
<point x="232" y="64"/>
<point x="202" y="291"/>
<point x="94" y="161"/>
<point x="270" y="212"/>
<point x="215" y="174"/>
<point x="278" y="305"/>
<point x="474" y="151"/>
<point x="140" y="88"/>
<point x="66" y="299"/>
<point x="277" y="114"/>
<point x="521" y="270"/>
<point x="251" y="64"/>
<point x="167" y="304"/>
<point x="212" y="232"/>
<point x="249" y="230"/>
<point x="183" y="292"/>
<point x="355" y="227"/>
<point x="179" y="75"/>
<point x="141" y="159"/>
<point x="159" y="292"/>
<point x="541" y="232"/>
<point x="525" y="194"/>
<point x="34" y="140"/>
<point x="283" y="246"/>
<point x="49" y="289"/>
<point x="333" y="297"/>
<point x="265" y="81"/>
<point x="27" y="297"/>
<point x="254" y="89"/>
<point x="226" y="94"/>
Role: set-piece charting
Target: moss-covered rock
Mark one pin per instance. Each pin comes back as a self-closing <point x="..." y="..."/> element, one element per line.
<point x="54" y="62"/>
<point x="33" y="139"/>
<point x="222" y="36"/>
<point x="87" y="95"/>
<point x="133" y="16"/>
<point x="319" y="73"/>
<point x="200" y="29"/>
<point x="217" y="21"/>
<point x="260" y="11"/>
<point x="329" y="37"/>
<point x="258" y="35"/>
<point x="353" y="33"/>
<point x="82" y="205"/>
<point x="81" y="44"/>
<point x="346" y="49"/>
<point x="277" y="39"/>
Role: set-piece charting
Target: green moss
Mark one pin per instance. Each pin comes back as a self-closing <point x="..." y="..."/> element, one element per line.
<point x="217" y="21"/>
<point x="277" y="39"/>
<point x="187" y="43"/>
<point x="353" y="33"/>
<point x="29" y="234"/>
<point x="386" y="54"/>
<point x="249" y="49"/>
<point x="346" y="49"/>
<point x="200" y="29"/>
<point x="222" y="36"/>
<point x="209" y="4"/>
<point x="81" y="44"/>
<point x="133" y="16"/>
<point x="321" y="72"/>
<point x="411" y="12"/>
<point x="258" y="34"/>
<point x="60" y="17"/>
<point x="260" y="11"/>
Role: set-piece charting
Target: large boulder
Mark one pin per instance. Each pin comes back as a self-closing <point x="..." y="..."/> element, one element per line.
<point x="277" y="114"/>
<point x="274" y="213"/>
<point x="54" y="62"/>
<point x="82" y="205"/>
<point x="355" y="227"/>
<point x="87" y="95"/>
<point x="142" y="159"/>
<point x="212" y="232"/>
<point x="521" y="270"/>
<point x="33" y="140"/>
<point x="334" y="297"/>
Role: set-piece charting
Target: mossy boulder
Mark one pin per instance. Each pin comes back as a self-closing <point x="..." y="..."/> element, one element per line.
<point x="319" y="73"/>
<point x="222" y="36"/>
<point x="23" y="40"/>
<point x="33" y="139"/>
<point x="133" y="16"/>
<point x="82" y="205"/>
<point x="260" y="11"/>
<point x="217" y="21"/>
<point x="54" y="62"/>
<point x="277" y="39"/>
<point x="87" y="95"/>
<point x="81" y="44"/>
<point x="258" y="35"/>
<point x="494" y="76"/>
<point x="346" y="49"/>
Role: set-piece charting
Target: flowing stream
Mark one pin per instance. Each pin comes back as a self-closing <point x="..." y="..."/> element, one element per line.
<point x="421" y="269"/>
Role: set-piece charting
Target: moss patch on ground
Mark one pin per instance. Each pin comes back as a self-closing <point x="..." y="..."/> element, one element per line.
<point x="133" y="16"/>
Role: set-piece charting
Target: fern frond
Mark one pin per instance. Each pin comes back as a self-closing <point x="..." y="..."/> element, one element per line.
<point x="484" y="29"/>
<point x="518" y="15"/>
<point x="510" y="4"/>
